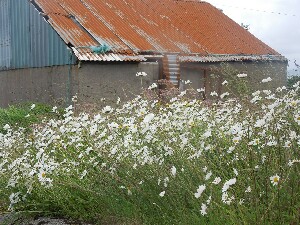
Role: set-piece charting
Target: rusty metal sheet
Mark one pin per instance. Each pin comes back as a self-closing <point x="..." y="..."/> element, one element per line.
<point x="132" y="27"/>
<point x="69" y="31"/>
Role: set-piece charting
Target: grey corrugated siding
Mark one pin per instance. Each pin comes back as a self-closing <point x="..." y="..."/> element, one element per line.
<point x="28" y="40"/>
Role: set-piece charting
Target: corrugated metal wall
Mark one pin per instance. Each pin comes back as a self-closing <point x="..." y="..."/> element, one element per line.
<point x="27" y="40"/>
<point x="5" y="54"/>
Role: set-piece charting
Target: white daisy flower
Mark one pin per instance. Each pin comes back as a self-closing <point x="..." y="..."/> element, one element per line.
<point x="162" y="194"/>
<point x="200" y="191"/>
<point x="241" y="75"/>
<point x="152" y="86"/>
<point x="248" y="189"/>
<point x="203" y="209"/>
<point x="201" y="90"/>
<point x="208" y="175"/>
<point x="214" y="93"/>
<point x="173" y="171"/>
<point x="225" y="82"/>
<point x="275" y="179"/>
<point x="217" y="180"/>
<point x="107" y="109"/>
<point x="141" y="74"/>
<point x="266" y="80"/>
<point x="228" y="184"/>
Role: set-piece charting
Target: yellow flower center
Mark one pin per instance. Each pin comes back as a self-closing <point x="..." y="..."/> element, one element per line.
<point x="276" y="179"/>
<point x="43" y="175"/>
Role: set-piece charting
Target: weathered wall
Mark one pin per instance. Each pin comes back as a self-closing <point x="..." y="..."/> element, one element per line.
<point x="102" y="83"/>
<point x="47" y="85"/>
<point x="216" y="73"/>
<point x="97" y="84"/>
<point x="194" y="74"/>
<point x="27" y="40"/>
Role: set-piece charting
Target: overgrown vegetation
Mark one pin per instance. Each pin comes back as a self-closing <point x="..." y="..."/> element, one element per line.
<point x="291" y="81"/>
<point x="148" y="162"/>
<point x="24" y="115"/>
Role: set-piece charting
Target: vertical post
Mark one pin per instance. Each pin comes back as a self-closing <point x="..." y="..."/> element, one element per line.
<point x="205" y="83"/>
<point x="68" y="84"/>
<point x="220" y="80"/>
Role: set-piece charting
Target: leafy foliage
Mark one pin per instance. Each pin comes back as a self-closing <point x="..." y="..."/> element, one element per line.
<point x="291" y="81"/>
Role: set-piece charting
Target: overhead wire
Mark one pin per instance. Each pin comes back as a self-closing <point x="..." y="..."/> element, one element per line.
<point x="246" y="8"/>
<point x="258" y="10"/>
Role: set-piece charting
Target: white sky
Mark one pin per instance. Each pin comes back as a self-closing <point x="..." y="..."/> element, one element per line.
<point x="279" y="31"/>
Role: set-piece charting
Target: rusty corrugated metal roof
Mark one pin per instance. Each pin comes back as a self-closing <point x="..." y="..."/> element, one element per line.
<point x="132" y="27"/>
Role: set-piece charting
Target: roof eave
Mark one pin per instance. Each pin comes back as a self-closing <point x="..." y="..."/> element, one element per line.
<point x="231" y="58"/>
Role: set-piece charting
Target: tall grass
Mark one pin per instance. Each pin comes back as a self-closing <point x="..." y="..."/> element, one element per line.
<point x="184" y="162"/>
<point x="23" y="115"/>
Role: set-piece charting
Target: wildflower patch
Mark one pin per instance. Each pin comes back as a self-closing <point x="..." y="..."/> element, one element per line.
<point x="185" y="162"/>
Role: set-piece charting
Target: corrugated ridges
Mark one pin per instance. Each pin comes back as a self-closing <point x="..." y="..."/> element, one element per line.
<point x="28" y="40"/>
<point x="84" y="54"/>
<point x="138" y="26"/>
<point x="5" y="41"/>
